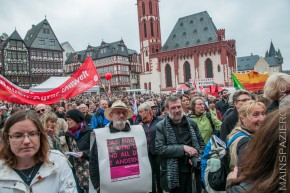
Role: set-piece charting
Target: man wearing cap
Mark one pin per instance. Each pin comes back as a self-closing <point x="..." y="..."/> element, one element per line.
<point x="149" y="121"/>
<point x="119" y="153"/>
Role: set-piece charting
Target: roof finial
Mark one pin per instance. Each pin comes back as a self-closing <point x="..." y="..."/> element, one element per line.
<point x="45" y="16"/>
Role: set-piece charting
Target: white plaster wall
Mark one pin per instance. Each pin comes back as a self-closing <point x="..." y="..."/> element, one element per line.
<point x="181" y="62"/>
<point x="153" y="77"/>
<point x="216" y="59"/>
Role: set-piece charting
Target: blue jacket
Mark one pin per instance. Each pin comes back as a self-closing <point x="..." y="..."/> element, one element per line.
<point x="98" y="119"/>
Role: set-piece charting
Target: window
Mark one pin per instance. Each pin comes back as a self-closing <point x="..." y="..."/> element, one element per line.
<point x="168" y="77"/>
<point x="194" y="31"/>
<point x="208" y="68"/>
<point x="205" y="29"/>
<point x="41" y="41"/>
<point x="152" y="27"/>
<point x="184" y="34"/>
<point x="143" y="8"/>
<point x="210" y="39"/>
<point x="147" y="67"/>
<point x="198" y="41"/>
<point x="145" y="29"/>
<point x="150" y="7"/>
<point x="187" y="74"/>
<point x="191" y="22"/>
<point x="219" y="68"/>
<point x="52" y="42"/>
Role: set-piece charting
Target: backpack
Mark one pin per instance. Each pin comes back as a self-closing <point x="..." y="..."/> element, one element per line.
<point x="215" y="163"/>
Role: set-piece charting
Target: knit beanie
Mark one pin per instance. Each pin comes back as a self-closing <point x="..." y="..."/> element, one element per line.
<point x="75" y="115"/>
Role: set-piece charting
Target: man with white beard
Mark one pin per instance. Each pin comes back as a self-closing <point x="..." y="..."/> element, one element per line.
<point x="178" y="140"/>
<point x="118" y="159"/>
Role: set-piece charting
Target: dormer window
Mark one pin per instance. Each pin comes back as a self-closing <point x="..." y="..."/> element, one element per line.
<point x="201" y="19"/>
<point x="191" y="22"/>
<point x="210" y="39"/>
<point x="194" y="31"/>
<point x="198" y="41"/>
<point x="184" y="34"/>
<point x="174" y="36"/>
<point x="205" y="29"/>
<point x="181" y="24"/>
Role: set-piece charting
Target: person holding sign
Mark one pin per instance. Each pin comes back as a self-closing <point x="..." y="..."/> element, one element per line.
<point x="120" y="155"/>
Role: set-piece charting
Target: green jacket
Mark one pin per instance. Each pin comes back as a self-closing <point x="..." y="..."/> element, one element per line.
<point x="204" y="125"/>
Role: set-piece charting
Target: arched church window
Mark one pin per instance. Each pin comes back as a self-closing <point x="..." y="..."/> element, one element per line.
<point x="187" y="75"/>
<point x="147" y="66"/>
<point x="208" y="68"/>
<point x="168" y="77"/>
<point x="219" y="68"/>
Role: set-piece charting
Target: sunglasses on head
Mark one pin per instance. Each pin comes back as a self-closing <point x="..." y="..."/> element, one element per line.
<point x="41" y="110"/>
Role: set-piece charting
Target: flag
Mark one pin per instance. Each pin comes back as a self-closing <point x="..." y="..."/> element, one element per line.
<point x="135" y="105"/>
<point x="237" y="83"/>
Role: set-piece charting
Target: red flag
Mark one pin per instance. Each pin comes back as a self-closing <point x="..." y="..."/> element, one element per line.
<point x="83" y="79"/>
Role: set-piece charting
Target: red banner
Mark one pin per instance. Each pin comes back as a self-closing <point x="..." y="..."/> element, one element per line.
<point x="83" y="79"/>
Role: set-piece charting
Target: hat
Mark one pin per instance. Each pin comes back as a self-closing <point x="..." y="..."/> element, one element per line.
<point x="3" y="107"/>
<point x="118" y="105"/>
<point x="151" y="104"/>
<point x="75" y="115"/>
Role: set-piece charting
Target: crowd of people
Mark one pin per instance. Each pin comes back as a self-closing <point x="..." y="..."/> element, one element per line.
<point x="116" y="143"/>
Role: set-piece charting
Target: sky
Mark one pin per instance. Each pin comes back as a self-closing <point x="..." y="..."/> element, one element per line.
<point x="253" y="24"/>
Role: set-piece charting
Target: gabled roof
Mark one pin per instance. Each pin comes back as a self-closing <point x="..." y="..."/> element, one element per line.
<point x="33" y="35"/>
<point x="111" y="49"/>
<point x="190" y="31"/>
<point x="247" y="62"/>
<point x="14" y="36"/>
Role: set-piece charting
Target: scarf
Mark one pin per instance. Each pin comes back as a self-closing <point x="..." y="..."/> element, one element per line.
<point x="172" y="164"/>
<point x="77" y="129"/>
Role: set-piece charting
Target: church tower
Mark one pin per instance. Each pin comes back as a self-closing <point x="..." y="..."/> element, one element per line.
<point x="149" y="31"/>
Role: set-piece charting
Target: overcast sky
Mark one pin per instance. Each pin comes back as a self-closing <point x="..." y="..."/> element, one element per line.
<point x="252" y="23"/>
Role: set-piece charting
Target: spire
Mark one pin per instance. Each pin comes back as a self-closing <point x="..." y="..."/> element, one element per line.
<point x="279" y="54"/>
<point x="267" y="54"/>
<point x="272" y="50"/>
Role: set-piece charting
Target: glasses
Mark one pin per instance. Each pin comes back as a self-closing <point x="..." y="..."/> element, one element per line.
<point x="41" y="110"/>
<point x="243" y="100"/>
<point x="20" y="136"/>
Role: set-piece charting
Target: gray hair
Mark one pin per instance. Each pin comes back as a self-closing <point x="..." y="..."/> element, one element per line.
<point x="144" y="106"/>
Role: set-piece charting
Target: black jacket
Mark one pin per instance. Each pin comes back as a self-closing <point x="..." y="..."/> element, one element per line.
<point x="222" y="106"/>
<point x="152" y="127"/>
<point x="229" y="124"/>
<point x="83" y="142"/>
<point x="175" y="150"/>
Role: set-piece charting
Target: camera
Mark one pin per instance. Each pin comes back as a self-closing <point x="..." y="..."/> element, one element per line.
<point x="196" y="162"/>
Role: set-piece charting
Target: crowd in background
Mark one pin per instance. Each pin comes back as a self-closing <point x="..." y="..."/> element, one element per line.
<point x="68" y="125"/>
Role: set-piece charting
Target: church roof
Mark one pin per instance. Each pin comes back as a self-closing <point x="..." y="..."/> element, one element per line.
<point x="247" y="62"/>
<point x="190" y="31"/>
<point x="271" y="61"/>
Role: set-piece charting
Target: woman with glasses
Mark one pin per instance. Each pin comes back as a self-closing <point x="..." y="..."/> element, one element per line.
<point x="26" y="163"/>
<point x="250" y="116"/>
